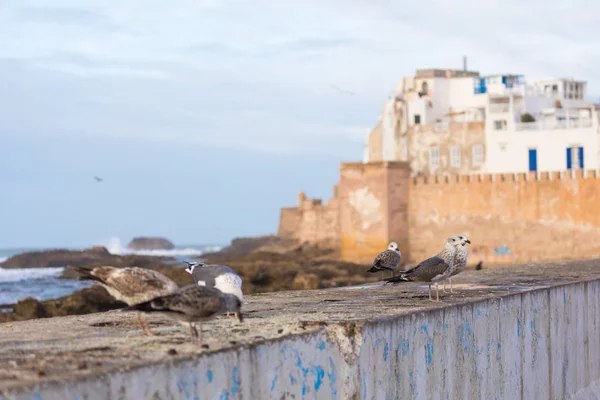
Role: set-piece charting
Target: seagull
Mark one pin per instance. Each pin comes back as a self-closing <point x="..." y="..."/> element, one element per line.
<point x="387" y="260"/>
<point x="218" y="276"/>
<point x="192" y="304"/>
<point x="131" y="285"/>
<point x="460" y="262"/>
<point x="342" y="90"/>
<point x="98" y="179"/>
<point x="434" y="269"/>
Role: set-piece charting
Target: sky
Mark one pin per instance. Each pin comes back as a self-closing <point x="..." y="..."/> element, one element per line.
<point x="204" y="117"/>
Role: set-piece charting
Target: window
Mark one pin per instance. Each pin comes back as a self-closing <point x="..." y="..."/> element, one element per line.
<point x="424" y="88"/>
<point x="555" y="88"/>
<point x="575" y="157"/>
<point x="417" y="119"/>
<point x="455" y="156"/>
<point x="477" y="155"/>
<point x="434" y="158"/>
<point x="500" y="125"/>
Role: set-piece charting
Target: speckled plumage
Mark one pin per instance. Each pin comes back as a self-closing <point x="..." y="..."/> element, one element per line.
<point x="434" y="269"/>
<point x="460" y="262"/>
<point x="387" y="260"/>
<point x="131" y="285"/>
<point x="192" y="303"/>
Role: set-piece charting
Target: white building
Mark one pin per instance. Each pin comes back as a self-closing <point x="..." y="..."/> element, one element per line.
<point x="545" y="125"/>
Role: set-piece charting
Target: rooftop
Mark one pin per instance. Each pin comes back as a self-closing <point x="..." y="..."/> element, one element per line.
<point x="445" y="73"/>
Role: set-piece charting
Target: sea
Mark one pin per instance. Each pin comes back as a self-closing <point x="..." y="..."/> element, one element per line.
<point x="44" y="283"/>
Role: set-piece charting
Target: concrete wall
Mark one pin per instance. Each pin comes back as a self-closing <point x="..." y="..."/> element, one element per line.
<point x="540" y="344"/>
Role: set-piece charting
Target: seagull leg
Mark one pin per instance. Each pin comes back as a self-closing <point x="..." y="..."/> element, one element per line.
<point x="144" y="324"/>
<point x="444" y="287"/>
<point x="196" y="337"/>
<point x="451" y="291"/>
<point x="437" y="292"/>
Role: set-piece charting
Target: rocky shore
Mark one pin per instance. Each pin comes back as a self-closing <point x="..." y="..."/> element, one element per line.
<point x="265" y="264"/>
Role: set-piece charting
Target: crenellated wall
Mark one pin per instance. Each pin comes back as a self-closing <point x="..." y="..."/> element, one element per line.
<point x="510" y="218"/>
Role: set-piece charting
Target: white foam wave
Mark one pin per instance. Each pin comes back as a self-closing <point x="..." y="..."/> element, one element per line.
<point x="114" y="246"/>
<point x="18" y="274"/>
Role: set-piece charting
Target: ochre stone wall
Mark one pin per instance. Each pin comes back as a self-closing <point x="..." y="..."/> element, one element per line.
<point x="311" y="220"/>
<point x="511" y="218"/>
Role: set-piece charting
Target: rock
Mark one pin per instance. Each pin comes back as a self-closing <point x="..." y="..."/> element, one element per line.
<point x="304" y="281"/>
<point x="150" y="243"/>
<point x="85" y="301"/>
<point x="57" y="258"/>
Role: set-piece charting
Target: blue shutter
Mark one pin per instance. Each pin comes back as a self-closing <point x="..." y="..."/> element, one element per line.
<point x="581" y="157"/>
<point x="569" y="158"/>
<point x="532" y="160"/>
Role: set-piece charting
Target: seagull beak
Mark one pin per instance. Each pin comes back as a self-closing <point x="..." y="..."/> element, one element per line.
<point x="468" y="241"/>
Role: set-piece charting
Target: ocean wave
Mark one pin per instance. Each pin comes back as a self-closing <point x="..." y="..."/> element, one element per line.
<point x="115" y="247"/>
<point x="20" y="274"/>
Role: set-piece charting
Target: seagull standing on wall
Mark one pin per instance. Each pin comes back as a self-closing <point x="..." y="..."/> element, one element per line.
<point x="220" y="277"/>
<point x="192" y="304"/>
<point x="131" y="285"/>
<point x="387" y="260"/>
<point x="434" y="269"/>
<point x="460" y="262"/>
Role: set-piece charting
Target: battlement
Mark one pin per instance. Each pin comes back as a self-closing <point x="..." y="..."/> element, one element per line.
<point x="508" y="177"/>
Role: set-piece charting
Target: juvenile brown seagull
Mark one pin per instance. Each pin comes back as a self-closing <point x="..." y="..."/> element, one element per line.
<point x="434" y="269"/>
<point x="192" y="304"/>
<point x="131" y="285"/>
<point x="387" y="260"/>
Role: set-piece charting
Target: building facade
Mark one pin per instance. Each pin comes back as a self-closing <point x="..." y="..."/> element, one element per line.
<point x="456" y="121"/>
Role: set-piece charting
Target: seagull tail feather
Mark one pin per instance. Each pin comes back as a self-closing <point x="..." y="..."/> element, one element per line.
<point x="85" y="274"/>
<point x="397" y="278"/>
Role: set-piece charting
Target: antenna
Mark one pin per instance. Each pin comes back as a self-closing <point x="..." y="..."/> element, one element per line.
<point x="465" y="63"/>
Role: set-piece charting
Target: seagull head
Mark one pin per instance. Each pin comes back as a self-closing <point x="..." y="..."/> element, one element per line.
<point x="192" y="265"/>
<point x="393" y="246"/>
<point x="463" y="239"/>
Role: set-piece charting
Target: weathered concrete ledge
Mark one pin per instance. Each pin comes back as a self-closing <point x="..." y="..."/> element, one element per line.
<point x="524" y="332"/>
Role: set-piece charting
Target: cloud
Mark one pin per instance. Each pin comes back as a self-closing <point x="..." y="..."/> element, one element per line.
<point x="260" y="74"/>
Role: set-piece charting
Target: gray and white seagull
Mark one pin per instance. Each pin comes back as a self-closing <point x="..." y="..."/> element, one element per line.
<point x="131" y="285"/>
<point x="434" y="269"/>
<point x="460" y="262"/>
<point x="192" y="304"/>
<point x="387" y="260"/>
<point x="218" y="276"/>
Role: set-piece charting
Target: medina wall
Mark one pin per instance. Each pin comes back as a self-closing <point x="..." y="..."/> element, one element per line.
<point x="510" y="218"/>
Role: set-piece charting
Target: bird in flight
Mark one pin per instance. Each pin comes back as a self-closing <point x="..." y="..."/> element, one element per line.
<point x="342" y="90"/>
<point x="98" y="179"/>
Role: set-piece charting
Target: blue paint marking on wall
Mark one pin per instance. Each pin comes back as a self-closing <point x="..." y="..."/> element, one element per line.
<point x="37" y="396"/>
<point x="386" y="351"/>
<point x="292" y="379"/>
<point x="403" y="347"/>
<point x="209" y="376"/>
<point x="532" y="325"/>
<point x="274" y="381"/>
<point x="235" y="378"/>
<point x="498" y="351"/>
<point x="321" y="345"/>
<point x="319" y="375"/>
<point x="502" y="250"/>
<point x="332" y="378"/>
<point x="224" y="396"/>
<point x="303" y="370"/>
<point x="465" y="336"/>
<point x="429" y="347"/>
<point x="413" y="381"/>
<point x="518" y="328"/>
